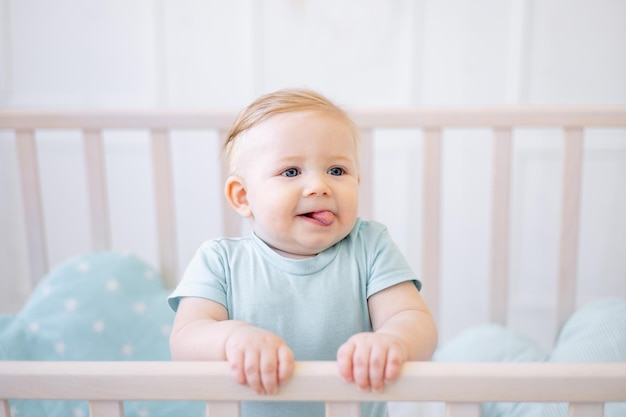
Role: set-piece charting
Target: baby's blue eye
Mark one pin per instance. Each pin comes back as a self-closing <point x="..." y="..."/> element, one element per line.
<point x="291" y="172"/>
<point x="336" y="171"/>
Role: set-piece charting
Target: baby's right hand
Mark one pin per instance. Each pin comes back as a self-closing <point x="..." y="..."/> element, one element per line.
<point x="259" y="358"/>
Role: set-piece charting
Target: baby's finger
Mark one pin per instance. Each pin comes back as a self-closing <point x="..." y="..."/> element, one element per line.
<point x="344" y="361"/>
<point x="285" y="363"/>
<point x="268" y="366"/>
<point x="251" y="368"/>
<point x="377" y="361"/>
<point x="361" y="365"/>
<point x="237" y="367"/>
<point x="393" y="366"/>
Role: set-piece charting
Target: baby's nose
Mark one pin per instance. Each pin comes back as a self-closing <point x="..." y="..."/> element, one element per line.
<point x="316" y="185"/>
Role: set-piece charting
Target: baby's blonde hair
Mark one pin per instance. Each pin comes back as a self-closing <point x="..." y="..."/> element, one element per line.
<point x="282" y="101"/>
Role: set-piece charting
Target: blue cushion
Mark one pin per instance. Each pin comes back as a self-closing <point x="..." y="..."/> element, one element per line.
<point x="490" y="343"/>
<point x="595" y="333"/>
<point x="98" y="306"/>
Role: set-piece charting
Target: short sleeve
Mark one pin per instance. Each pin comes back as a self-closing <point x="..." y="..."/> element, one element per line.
<point x="387" y="266"/>
<point x="205" y="276"/>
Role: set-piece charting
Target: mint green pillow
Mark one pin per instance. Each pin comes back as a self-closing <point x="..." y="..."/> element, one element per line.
<point x="102" y="306"/>
<point x="594" y="333"/>
<point x="491" y="343"/>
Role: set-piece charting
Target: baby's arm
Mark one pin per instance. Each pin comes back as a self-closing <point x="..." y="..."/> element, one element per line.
<point x="404" y="330"/>
<point x="257" y="357"/>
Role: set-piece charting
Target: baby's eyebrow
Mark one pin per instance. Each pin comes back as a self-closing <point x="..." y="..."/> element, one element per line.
<point x="332" y="159"/>
<point x="343" y="158"/>
<point x="290" y="159"/>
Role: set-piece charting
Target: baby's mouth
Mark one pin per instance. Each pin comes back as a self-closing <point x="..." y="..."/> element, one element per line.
<point x="324" y="217"/>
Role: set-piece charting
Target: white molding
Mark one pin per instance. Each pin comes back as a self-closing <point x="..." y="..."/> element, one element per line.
<point x="6" y="75"/>
<point x="257" y="46"/>
<point x="160" y="54"/>
<point x="520" y="36"/>
<point x="418" y="38"/>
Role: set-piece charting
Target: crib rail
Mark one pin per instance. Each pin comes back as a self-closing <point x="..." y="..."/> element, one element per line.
<point x="461" y="386"/>
<point x="502" y="121"/>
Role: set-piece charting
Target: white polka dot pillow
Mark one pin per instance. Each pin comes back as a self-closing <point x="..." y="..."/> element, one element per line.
<point x="98" y="306"/>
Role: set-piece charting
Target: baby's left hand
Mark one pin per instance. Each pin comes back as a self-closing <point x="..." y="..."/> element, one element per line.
<point x="371" y="359"/>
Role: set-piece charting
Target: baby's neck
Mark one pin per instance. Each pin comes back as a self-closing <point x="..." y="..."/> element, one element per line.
<point x="291" y="255"/>
<point x="286" y="254"/>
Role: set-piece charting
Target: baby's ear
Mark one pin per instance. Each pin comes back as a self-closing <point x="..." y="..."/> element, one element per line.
<point x="237" y="195"/>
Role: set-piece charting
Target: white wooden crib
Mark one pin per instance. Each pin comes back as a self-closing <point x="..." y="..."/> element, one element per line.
<point x="461" y="386"/>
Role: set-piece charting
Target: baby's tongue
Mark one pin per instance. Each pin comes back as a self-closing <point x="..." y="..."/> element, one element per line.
<point x="324" y="217"/>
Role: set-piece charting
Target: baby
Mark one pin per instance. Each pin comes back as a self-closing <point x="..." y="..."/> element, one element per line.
<point x="313" y="281"/>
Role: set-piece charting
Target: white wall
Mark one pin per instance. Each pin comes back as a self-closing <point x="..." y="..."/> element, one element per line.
<point x="204" y="54"/>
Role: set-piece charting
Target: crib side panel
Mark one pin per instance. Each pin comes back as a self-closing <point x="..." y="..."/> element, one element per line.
<point x="432" y="122"/>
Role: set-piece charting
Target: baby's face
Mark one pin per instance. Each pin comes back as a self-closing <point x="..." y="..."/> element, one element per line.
<point x="301" y="176"/>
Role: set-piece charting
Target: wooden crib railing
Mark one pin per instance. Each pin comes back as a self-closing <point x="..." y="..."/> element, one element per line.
<point x="462" y="386"/>
<point x="502" y="121"/>
<point x="586" y="387"/>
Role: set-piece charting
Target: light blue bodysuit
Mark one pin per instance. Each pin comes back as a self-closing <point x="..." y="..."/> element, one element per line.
<point x="314" y="304"/>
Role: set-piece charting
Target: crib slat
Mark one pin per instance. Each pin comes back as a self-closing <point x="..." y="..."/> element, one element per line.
<point x="230" y="219"/>
<point x="431" y="219"/>
<point x="164" y="194"/>
<point x="343" y="409"/>
<point x="5" y="410"/>
<point x="462" y="409"/>
<point x="223" y="409"/>
<point x="33" y="208"/>
<point x="106" y="409"/>
<point x="366" y="191"/>
<point x="570" y="209"/>
<point x="586" y="410"/>
<point x="97" y="191"/>
<point x="500" y="214"/>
